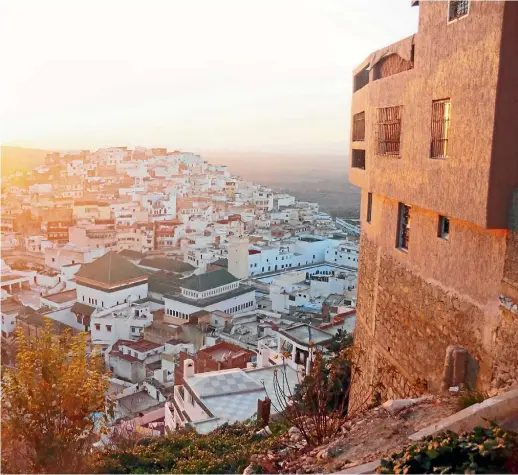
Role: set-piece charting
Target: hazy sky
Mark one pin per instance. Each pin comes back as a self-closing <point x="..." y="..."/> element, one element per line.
<point x="272" y="75"/>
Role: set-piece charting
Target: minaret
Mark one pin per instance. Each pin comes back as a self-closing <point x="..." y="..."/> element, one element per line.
<point x="238" y="256"/>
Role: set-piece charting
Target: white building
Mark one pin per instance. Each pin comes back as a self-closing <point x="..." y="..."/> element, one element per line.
<point x="217" y="290"/>
<point x="129" y="359"/>
<point x="109" y="281"/>
<point x="122" y="322"/>
<point x="208" y="400"/>
<point x="346" y="254"/>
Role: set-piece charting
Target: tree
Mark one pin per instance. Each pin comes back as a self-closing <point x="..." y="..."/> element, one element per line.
<point x="319" y="406"/>
<point x="54" y="404"/>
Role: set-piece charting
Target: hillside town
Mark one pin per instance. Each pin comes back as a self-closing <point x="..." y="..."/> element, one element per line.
<point x="196" y="285"/>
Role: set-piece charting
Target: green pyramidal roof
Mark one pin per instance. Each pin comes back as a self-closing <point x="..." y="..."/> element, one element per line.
<point x="111" y="269"/>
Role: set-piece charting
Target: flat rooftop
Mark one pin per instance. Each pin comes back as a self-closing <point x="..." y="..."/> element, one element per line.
<point x="62" y="297"/>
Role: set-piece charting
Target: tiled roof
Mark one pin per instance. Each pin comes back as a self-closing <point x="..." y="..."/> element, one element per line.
<point x="82" y="309"/>
<point x="202" y="303"/>
<point x="209" y="280"/>
<point x="130" y="254"/>
<point x="165" y="263"/>
<point x="111" y="269"/>
<point x="222" y="382"/>
<point x="221" y="263"/>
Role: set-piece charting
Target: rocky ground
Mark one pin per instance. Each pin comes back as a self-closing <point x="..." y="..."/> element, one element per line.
<point x="365" y="438"/>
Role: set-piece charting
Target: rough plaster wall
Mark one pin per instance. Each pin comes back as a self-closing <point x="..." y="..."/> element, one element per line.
<point x="506" y="347"/>
<point x="459" y="61"/>
<point x="415" y="321"/>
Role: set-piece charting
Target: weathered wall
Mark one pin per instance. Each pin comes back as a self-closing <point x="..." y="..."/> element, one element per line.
<point x="459" y="61"/>
<point x="406" y="322"/>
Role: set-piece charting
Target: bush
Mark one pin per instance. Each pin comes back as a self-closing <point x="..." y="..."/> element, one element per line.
<point x="480" y="451"/>
<point x="226" y="450"/>
<point x="469" y="398"/>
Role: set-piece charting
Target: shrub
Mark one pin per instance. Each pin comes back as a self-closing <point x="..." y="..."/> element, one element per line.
<point x="480" y="451"/>
<point x="226" y="450"/>
<point x="469" y="398"/>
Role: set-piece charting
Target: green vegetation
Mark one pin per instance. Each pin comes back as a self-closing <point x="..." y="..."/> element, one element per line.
<point x="469" y="398"/>
<point x="53" y="404"/>
<point x="480" y="451"/>
<point x="226" y="450"/>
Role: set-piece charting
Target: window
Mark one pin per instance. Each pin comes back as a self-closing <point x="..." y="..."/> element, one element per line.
<point x="358" y="159"/>
<point x="457" y="9"/>
<point x="361" y="79"/>
<point x="108" y="328"/>
<point x="98" y="326"/>
<point x="441" y="111"/>
<point x="292" y="298"/>
<point x="389" y="130"/>
<point x="359" y="127"/>
<point x="369" y="209"/>
<point x="403" y="227"/>
<point x="444" y="227"/>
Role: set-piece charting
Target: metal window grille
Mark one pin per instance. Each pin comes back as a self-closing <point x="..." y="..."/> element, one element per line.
<point x="458" y="9"/>
<point x="358" y="159"/>
<point x="369" y="207"/>
<point x="403" y="226"/>
<point x="440" y="128"/>
<point x="389" y="130"/>
<point x="359" y="127"/>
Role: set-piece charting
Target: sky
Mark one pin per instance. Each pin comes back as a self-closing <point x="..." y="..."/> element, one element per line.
<point x="240" y="75"/>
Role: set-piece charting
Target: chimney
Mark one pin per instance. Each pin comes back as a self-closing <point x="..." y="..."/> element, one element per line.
<point x="188" y="368"/>
<point x="262" y="360"/>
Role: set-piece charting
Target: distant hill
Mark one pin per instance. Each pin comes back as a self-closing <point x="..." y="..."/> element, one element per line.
<point x="19" y="158"/>
<point x="309" y="177"/>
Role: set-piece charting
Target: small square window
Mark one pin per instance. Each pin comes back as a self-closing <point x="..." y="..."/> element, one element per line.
<point x="98" y="327"/>
<point x="444" y="227"/>
<point x="108" y="328"/>
<point x="457" y="9"/>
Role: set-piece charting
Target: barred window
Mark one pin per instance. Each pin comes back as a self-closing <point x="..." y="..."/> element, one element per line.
<point x="358" y="159"/>
<point x="441" y="111"/>
<point x="457" y="9"/>
<point x="403" y="236"/>
<point x="389" y="130"/>
<point x="359" y="127"/>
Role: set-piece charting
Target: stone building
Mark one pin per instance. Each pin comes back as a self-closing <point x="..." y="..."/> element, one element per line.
<point x="433" y="148"/>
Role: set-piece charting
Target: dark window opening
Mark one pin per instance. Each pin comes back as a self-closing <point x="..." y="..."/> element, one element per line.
<point x="457" y="9"/>
<point x="403" y="236"/>
<point x="358" y="159"/>
<point x="369" y="207"/>
<point x="361" y="79"/>
<point x="359" y="127"/>
<point x="441" y="111"/>
<point x="389" y="130"/>
<point x="444" y="227"/>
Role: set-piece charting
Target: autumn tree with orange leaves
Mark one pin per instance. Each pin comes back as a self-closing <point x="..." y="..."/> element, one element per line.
<point x="54" y="404"/>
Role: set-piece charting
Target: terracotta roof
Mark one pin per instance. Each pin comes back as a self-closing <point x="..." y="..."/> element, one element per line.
<point x="142" y="345"/>
<point x="110" y="269"/>
<point x="82" y="309"/>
